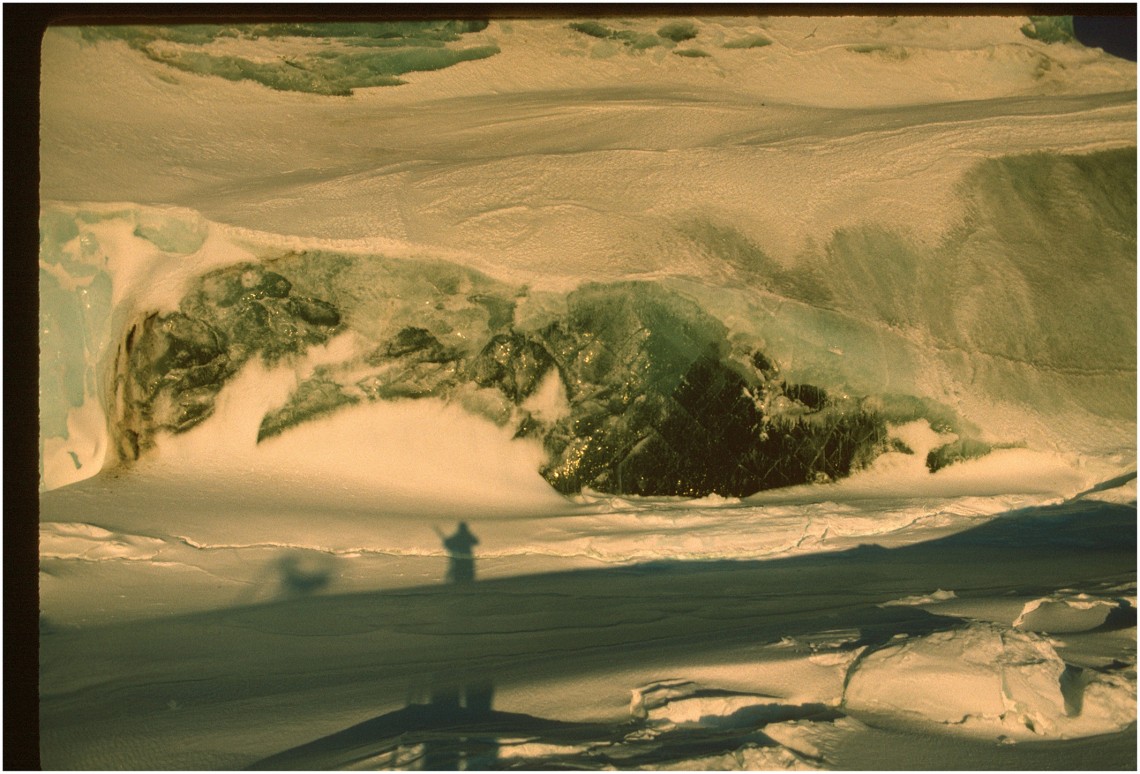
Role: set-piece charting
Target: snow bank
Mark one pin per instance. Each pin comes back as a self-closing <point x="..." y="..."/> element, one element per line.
<point x="989" y="680"/>
<point x="683" y="702"/>
<point x="1124" y="494"/>
<point x="407" y="450"/>
<point x="1063" y="613"/>
<point x="913" y="207"/>
<point x="749" y="757"/>
<point x="921" y="599"/>
<point x="771" y="731"/>
<point x="86" y="541"/>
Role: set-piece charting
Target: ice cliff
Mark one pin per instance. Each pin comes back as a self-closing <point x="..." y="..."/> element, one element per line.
<point x="656" y="401"/>
<point x="737" y="271"/>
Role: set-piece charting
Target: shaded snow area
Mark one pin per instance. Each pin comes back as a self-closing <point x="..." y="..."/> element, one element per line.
<point x="822" y="659"/>
<point x="736" y="393"/>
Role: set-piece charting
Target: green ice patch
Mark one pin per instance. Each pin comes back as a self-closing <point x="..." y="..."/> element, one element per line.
<point x="172" y="234"/>
<point x="360" y="55"/>
<point x="313" y="398"/>
<point x="1049" y="29"/>
<point x="678" y="31"/>
<point x="749" y="41"/>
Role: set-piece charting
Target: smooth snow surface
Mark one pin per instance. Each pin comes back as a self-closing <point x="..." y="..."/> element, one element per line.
<point x="933" y="215"/>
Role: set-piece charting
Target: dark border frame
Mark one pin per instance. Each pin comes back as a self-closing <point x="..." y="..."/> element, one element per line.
<point x="24" y="25"/>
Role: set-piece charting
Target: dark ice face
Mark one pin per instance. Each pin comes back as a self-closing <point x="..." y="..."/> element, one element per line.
<point x="659" y="401"/>
<point x="660" y="407"/>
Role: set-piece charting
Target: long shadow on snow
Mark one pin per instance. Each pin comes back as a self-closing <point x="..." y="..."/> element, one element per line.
<point x="375" y="648"/>
<point x="449" y="738"/>
<point x="438" y="738"/>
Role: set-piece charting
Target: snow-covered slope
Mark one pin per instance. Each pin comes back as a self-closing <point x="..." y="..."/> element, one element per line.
<point x="285" y="334"/>
<point x="886" y="206"/>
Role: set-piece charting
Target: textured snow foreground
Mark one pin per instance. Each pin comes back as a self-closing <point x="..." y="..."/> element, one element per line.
<point x="287" y="336"/>
<point x="984" y="648"/>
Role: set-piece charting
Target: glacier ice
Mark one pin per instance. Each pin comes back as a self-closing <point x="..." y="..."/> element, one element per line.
<point x="368" y="54"/>
<point x="312" y="398"/>
<point x="956" y="451"/>
<point x="663" y="397"/>
<point x="659" y="401"/>
<point x="988" y="274"/>
<point x="658" y="407"/>
<point x="170" y="367"/>
<point x="172" y="234"/>
<point x="671" y="387"/>
<point x="807" y="246"/>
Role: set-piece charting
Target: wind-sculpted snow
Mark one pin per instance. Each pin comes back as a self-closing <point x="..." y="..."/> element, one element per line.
<point x="655" y="664"/>
<point x="1031" y="289"/>
<point x="776" y="376"/>
<point x="990" y="679"/>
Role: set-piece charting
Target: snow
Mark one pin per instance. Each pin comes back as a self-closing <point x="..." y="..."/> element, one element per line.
<point x="977" y="677"/>
<point x="378" y="451"/>
<point x="1066" y="613"/>
<point x="988" y="680"/>
<point x="923" y="599"/>
<point x="85" y="541"/>
<point x="786" y="648"/>
<point x="537" y="202"/>
<point x="494" y="187"/>
<point x="225" y="603"/>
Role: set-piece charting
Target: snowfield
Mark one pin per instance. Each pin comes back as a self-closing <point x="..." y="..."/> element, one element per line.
<point x="933" y="217"/>
<point x="787" y="659"/>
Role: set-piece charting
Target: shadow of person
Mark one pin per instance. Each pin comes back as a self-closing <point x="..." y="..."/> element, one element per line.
<point x="462" y="712"/>
<point x="297" y="578"/>
<point x="460" y="554"/>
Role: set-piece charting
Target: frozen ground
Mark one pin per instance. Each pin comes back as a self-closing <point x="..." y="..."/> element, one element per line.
<point x="928" y="208"/>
